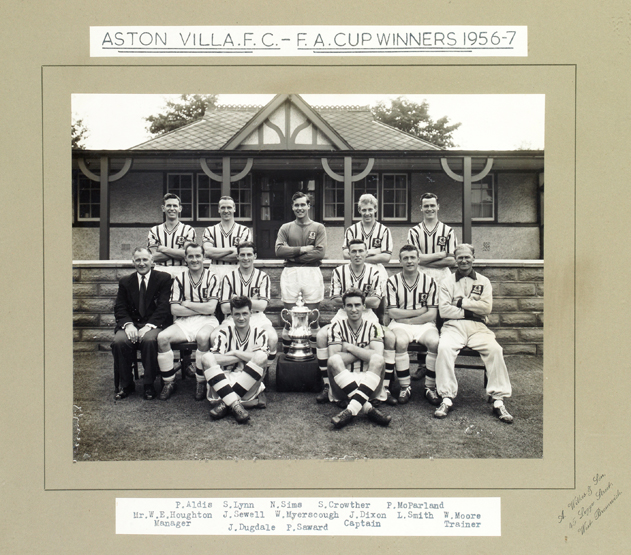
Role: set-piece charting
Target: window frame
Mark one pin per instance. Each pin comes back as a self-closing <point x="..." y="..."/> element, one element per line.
<point x="195" y="204"/>
<point x="380" y="184"/>
<point x="493" y="188"/>
<point x="96" y="185"/>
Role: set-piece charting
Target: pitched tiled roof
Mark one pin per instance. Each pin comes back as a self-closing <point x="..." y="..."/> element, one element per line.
<point x="209" y="133"/>
<point x="355" y="125"/>
<point x="358" y="127"/>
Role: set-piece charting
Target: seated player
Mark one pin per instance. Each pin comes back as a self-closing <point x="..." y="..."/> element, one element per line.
<point x="220" y="241"/>
<point x="412" y="306"/>
<point x="465" y="301"/>
<point x="367" y="278"/>
<point x="235" y="367"/>
<point x="141" y="311"/>
<point x="250" y="282"/>
<point x="356" y="364"/>
<point x="167" y="241"/>
<point x="194" y="296"/>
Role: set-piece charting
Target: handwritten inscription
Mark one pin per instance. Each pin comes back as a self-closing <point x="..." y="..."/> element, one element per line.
<point x="589" y="504"/>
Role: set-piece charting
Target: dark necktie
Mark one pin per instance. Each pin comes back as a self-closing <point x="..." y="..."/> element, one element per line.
<point x="141" y="297"/>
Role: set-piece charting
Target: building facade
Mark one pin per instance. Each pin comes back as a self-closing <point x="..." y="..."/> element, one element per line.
<point x="262" y="155"/>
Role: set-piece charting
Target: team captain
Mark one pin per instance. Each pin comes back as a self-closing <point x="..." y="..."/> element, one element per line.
<point x="356" y="364"/>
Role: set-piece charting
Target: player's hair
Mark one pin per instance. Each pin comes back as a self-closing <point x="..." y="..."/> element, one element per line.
<point x="367" y="198"/>
<point x="464" y="246"/>
<point x="169" y="196"/>
<point x="408" y="247"/>
<point x="226" y="197"/>
<point x="428" y="196"/>
<point x="356" y="241"/>
<point x="352" y="292"/>
<point x="191" y="245"/>
<point x="240" y="301"/>
<point x="138" y="249"/>
<point x="301" y="194"/>
<point x="246" y="244"/>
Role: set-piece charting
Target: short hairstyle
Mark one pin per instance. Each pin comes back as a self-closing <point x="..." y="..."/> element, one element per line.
<point x="300" y="194"/>
<point x="464" y="246"/>
<point x="240" y="301"/>
<point x="367" y="198"/>
<point x="356" y="241"/>
<point x="169" y="196"/>
<point x="138" y="249"/>
<point x="226" y="197"/>
<point x="353" y="293"/>
<point x="408" y="247"/>
<point x="425" y="196"/>
<point x="191" y="245"/>
<point x="246" y="244"/>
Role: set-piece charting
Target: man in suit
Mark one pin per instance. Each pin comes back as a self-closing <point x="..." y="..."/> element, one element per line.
<point x="142" y="310"/>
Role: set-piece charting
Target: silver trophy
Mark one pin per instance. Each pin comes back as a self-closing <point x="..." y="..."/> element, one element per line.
<point x="299" y="332"/>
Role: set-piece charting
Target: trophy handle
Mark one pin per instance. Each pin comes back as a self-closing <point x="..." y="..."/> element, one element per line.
<point x="282" y="312"/>
<point x="317" y="315"/>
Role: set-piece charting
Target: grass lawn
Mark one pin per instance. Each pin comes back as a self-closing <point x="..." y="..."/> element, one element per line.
<point x="294" y="426"/>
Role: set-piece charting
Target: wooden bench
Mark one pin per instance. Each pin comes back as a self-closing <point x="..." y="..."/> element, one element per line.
<point x="421" y="352"/>
<point x="185" y="350"/>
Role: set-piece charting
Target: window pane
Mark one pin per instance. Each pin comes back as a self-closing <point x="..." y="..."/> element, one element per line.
<point x="88" y="198"/>
<point x="483" y="199"/>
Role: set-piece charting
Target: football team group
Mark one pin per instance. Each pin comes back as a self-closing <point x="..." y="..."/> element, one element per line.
<point x="437" y="300"/>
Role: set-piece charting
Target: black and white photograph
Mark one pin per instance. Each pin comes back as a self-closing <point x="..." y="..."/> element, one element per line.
<point x="307" y="276"/>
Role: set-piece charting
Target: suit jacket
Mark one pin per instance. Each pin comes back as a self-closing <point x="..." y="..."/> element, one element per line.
<point x="157" y="305"/>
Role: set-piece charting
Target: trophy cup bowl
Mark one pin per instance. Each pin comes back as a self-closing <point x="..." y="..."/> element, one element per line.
<point x="300" y="330"/>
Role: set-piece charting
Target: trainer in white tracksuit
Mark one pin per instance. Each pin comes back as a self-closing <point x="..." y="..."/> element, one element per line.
<point x="465" y="300"/>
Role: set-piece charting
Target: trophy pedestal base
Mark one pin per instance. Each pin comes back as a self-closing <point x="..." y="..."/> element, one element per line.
<point x="292" y="375"/>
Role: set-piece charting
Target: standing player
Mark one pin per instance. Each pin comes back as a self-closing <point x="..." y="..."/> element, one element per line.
<point x="435" y="241"/>
<point x="465" y="301"/>
<point x="235" y="367"/>
<point x="167" y="241"/>
<point x="366" y="278"/>
<point x="356" y="364"/>
<point x="412" y="305"/>
<point x="302" y="243"/>
<point x="220" y="241"/>
<point x="194" y="296"/>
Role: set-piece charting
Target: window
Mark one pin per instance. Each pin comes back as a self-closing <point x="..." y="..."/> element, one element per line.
<point x="88" y="199"/>
<point x="483" y="200"/>
<point x="394" y="204"/>
<point x="333" y="199"/>
<point x="391" y="191"/>
<point x="199" y="202"/>
<point x="181" y="184"/>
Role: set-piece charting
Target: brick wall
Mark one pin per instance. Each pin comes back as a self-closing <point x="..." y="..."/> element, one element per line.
<point x="517" y="317"/>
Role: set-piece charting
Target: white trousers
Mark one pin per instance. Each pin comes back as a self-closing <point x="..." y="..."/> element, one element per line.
<point x="456" y="334"/>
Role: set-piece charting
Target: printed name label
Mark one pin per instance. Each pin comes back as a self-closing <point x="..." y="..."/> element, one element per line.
<point x="458" y="516"/>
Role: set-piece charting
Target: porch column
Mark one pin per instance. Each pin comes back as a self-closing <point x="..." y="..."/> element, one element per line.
<point x="225" y="178"/>
<point x="466" y="179"/>
<point x="348" y="179"/>
<point x="104" y="219"/>
<point x="104" y="180"/>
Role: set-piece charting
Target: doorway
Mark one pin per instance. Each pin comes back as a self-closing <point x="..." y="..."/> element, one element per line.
<point x="272" y="202"/>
